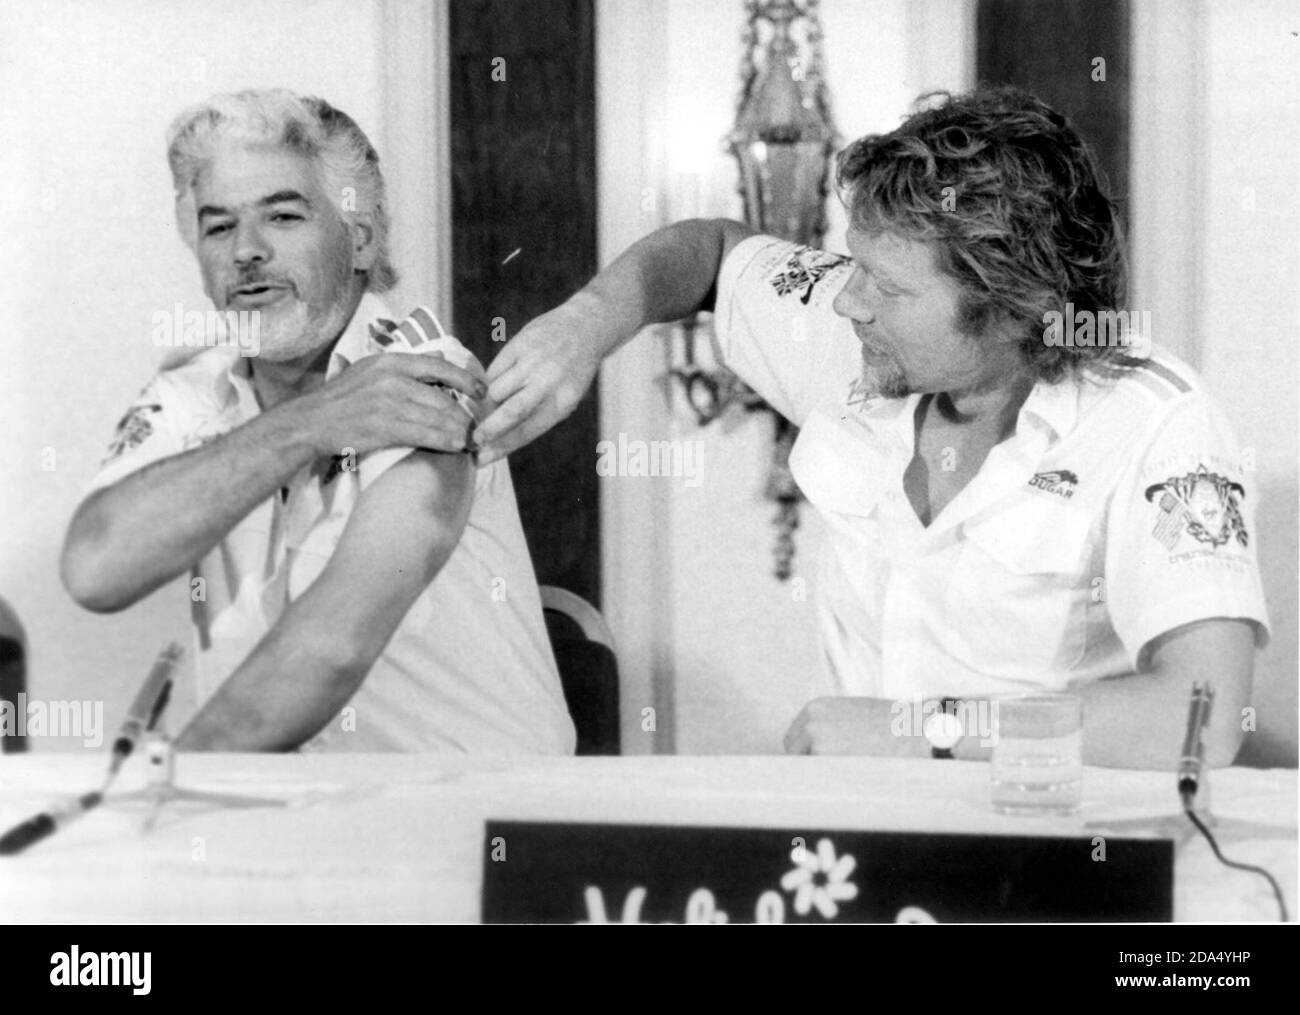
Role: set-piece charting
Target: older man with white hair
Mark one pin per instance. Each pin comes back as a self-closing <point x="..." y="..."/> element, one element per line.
<point x="357" y="583"/>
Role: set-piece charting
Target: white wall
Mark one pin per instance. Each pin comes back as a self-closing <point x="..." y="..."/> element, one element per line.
<point x="1216" y="236"/>
<point x="89" y="251"/>
<point x="1250" y="278"/>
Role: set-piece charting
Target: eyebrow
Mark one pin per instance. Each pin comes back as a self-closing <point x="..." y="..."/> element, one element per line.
<point x="279" y="197"/>
<point x="884" y="276"/>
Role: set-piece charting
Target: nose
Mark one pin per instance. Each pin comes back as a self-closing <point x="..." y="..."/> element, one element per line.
<point x="852" y="301"/>
<point x="250" y="246"/>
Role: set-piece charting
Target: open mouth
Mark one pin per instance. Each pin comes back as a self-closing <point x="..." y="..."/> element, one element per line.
<point x="257" y="293"/>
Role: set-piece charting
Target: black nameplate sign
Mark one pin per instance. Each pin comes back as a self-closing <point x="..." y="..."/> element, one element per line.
<point x="572" y="873"/>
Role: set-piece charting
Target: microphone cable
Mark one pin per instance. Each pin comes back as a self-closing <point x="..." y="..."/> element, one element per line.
<point x="1272" y="881"/>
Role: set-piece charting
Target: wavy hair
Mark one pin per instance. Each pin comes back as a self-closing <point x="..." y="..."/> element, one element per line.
<point x="1015" y="206"/>
<point x="348" y="163"/>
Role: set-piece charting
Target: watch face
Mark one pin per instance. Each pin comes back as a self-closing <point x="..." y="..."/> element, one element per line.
<point x="943" y="730"/>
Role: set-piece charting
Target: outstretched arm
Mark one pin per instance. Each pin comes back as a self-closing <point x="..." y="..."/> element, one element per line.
<point x="542" y="374"/>
<point x="403" y="529"/>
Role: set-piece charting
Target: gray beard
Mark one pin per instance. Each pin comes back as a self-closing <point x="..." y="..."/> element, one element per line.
<point x="294" y="336"/>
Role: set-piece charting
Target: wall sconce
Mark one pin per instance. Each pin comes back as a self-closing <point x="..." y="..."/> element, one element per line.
<point x="783" y="141"/>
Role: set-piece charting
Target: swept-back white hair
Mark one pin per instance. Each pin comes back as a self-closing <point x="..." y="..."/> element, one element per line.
<point x="348" y="163"/>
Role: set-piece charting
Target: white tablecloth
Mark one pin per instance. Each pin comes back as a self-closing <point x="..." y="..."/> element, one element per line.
<point x="371" y="838"/>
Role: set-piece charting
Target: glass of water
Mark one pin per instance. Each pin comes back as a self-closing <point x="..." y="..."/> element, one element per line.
<point x="1037" y="762"/>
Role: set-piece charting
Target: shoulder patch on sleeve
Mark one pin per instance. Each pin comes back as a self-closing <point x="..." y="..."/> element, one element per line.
<point x="803" y="269"/>
<point x="133" y="429"/>
<point x="1199" y="506"/>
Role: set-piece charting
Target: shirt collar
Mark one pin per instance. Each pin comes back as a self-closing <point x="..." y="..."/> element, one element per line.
<point x="354" y="343"/>
<point x="1051" y="405"/>
<point x="1052" y="408"/>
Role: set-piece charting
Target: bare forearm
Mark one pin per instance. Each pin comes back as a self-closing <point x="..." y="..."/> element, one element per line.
<point x="283" y="694"/>
<point x="665" y="276"/>
<point x="542" y="375"/>
<point x="1136" y="721"/>
<point x="1139" y="721"/>
<point x="127" y="540"/>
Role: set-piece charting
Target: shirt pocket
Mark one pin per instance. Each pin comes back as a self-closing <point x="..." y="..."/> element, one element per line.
<point x="839" y="470"/>
<point x="1019" y="592"/>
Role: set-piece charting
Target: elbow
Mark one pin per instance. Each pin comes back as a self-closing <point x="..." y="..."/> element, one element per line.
<point x="336" y="657"/>
<point x="85" y="577"/>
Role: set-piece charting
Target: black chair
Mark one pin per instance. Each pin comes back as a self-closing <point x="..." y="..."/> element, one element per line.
<point x="584" y="654"/>
<point x="13" y="673"/>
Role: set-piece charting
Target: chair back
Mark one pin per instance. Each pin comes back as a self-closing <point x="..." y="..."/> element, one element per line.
<point x="13" y="676"/>
<point x="584" y="654"/>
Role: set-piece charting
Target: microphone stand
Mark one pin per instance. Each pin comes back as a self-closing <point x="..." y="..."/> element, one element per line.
<point x="162" y="789"/>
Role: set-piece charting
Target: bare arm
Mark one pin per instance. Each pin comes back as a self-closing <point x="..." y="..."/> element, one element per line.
<point x="309" y="665"/>
<point x="1137" y="721"/>
<point x="130" y="538"/>
<point x="542" y="374"/>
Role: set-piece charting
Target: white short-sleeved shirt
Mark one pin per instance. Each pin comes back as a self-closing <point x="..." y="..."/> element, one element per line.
<point x="469" y="669"/>
<point x="1117" y="511"/>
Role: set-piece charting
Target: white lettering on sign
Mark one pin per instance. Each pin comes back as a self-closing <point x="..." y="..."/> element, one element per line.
<point x="701" y="907"/>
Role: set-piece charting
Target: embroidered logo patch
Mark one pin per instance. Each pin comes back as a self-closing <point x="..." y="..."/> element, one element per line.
<point x="1060" y="482"/>
<point x="803" y="269"/>
<point x="132" y="430"/>
<point x="1203" y="504"/>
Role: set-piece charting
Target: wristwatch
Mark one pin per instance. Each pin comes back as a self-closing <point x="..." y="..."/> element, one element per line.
<point x="943" y="729"/>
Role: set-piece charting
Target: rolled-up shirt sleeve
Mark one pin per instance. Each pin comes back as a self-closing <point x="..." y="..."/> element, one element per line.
<point x="1181" y="543"/>
<point x="418" y="335"/>
<point x="774" y="325"/>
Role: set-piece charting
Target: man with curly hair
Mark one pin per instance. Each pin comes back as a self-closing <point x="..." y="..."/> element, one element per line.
<point x="1001" y="468"/>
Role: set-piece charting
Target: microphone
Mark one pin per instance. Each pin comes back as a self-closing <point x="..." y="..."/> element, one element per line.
<point x="47" y="823"/>
<point x="147" y="707"/>
<point x="1191" y="764"/>
<point x="143" y="715"/>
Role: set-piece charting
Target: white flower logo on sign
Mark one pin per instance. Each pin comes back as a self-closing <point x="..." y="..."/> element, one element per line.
<point x="820" y="879"/>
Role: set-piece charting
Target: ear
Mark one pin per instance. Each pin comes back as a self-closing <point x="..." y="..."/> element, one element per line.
<point x="365" y="248"/>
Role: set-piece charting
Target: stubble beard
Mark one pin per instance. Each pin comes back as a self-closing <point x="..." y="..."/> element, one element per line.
<point x="884" y="378"/>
